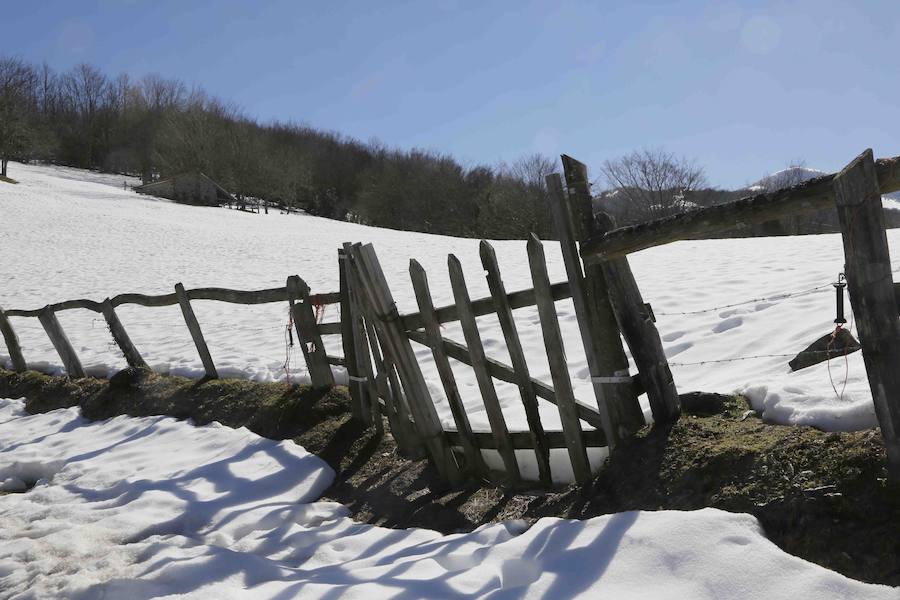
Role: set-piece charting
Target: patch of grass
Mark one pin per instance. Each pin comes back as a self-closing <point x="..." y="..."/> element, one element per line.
<point x="7" y="180"/>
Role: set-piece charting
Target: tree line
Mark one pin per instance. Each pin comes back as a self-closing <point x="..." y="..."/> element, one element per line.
<point x="155" y="127"/>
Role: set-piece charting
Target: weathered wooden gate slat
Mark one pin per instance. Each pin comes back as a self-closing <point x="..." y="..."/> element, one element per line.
<point x="479" y="365"/>
<point x="556" y="356"/>
<point x="517" y="358"/>
<point x="474" y="463"/>
<point x="395" y="342"/>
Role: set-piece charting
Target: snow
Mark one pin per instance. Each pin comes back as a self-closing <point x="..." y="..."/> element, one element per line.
<point x="64" y="239"/>
<point x="155" y="507"/>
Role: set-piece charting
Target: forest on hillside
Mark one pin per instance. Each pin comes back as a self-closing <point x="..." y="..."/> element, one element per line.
<point x="157" y="127"/>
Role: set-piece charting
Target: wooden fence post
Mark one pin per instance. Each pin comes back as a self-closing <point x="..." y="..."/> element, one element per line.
<point x="308" y="333"/>
<point x="349" y="334"/>
<point x="611" y="362"/>
<point x="870" y="283"/>
<point x="193" y="326"/>
<point x="474" y="462"/>
<point x="482" y="374"/>
<point x="132" y="356"/>
<point x="397" y="344"/>
<point x="556" y="355"/>
<point x="12" y="343"/>
<point x="62" y="344"/>
<point x="584" y="310"/>
<point x="517" y="357"/>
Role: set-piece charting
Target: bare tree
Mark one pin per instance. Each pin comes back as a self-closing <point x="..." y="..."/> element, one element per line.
<point x="16" y="79"/>
<point x="651" y="184"/>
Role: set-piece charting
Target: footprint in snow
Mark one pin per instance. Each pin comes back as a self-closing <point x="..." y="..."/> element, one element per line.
<point x="728" y="324"/>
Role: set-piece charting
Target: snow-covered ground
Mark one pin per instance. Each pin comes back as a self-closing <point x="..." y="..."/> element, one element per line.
<point x="133" y="508"/>
<point x="65" y="238"/>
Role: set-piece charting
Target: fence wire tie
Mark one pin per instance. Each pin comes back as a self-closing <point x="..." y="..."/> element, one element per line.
<point x="612" y="380"/>
<point x="359" y="379"/>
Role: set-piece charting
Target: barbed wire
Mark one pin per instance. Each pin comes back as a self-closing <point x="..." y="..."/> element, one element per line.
<point x="756" y="356"/>
<point x="783" y="296"/>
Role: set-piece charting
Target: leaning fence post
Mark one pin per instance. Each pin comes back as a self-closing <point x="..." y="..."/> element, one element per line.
<point x="870" y="283"/>
<point x="349" y="334"/>
<point x="62" y="344"/>
<point x="132" y="356"/>
<point x="12" y="343"/>
<point x="611" y="362"/>
<point x="308" y="333"/>
<point x="397" y="344"/>
<point x="190" y="319"/>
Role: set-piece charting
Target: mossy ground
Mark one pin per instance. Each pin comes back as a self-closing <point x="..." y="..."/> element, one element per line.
<point x="7" y="180"/>
<point x="820" y="496"/>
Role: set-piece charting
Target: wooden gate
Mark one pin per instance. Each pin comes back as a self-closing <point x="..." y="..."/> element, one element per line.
<point x="385" y="375"/>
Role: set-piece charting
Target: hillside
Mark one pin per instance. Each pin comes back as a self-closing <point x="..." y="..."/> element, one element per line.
<point x="86" y="239"/>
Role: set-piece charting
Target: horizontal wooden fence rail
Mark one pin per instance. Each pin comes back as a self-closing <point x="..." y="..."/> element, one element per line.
<point x="810" y="196"/>
<point x="218" y="294"/>
<point x="309" y="331"/>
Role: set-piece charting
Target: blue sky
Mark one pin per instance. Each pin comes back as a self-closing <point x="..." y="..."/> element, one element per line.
<point x="742" y="87"/>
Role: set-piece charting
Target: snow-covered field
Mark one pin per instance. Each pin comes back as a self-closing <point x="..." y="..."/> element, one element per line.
<point x="133" y="508"/>
<point x="66" y="234"/>
<point x="153" y="507"/>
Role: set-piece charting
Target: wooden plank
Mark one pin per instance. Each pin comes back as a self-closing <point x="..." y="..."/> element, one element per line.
<point x="809" y="196"/>
<point x="609" y="359"/>
<point x="329" y="328"/>
<point x="474" y="463"/>
<point x="239" y="296"/>
<point x="871" y="287"/>
<point x="308" y="334"/>
<point x="482" y="373"/>
<point x="359" y="401"/>
<point x="556" y="356"/>
<point x="395" y="343"/>
<point x="218" y="294"/>
<point x="132" y="356"/>
<point x="517" y="357"/>
<point x="193" y="326"/>
<point x="378" y="379"/>
<point x="505" y="373"/>
<point x="588" y="326"/>
<point x="522" y="440"/>
<point x="61" y="343"/>
<point x="12" y="343"/>
<point x="485" y="306"/>
<point x="145" y="300"/>
<point x="636" y="322"/>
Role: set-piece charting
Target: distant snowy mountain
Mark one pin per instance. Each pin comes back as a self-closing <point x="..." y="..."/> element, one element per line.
<point x="795" y="175"/>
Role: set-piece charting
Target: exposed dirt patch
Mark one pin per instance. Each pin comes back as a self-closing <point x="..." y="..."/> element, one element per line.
<point x="820" y="496"/>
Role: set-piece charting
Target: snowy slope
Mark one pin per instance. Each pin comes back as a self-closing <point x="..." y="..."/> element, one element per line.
<point x="64" y="239"/>
<point x="153" y="507"/>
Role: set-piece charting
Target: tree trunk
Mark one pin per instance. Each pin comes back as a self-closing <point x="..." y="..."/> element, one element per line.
<point x="3" y="167"/>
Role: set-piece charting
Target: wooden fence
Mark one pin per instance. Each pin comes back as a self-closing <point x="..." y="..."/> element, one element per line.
<point x="385" y="378"/>
<point x="607" y="302"/>
<point x="856" y="194"/>
<point x="295" y="293"/>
